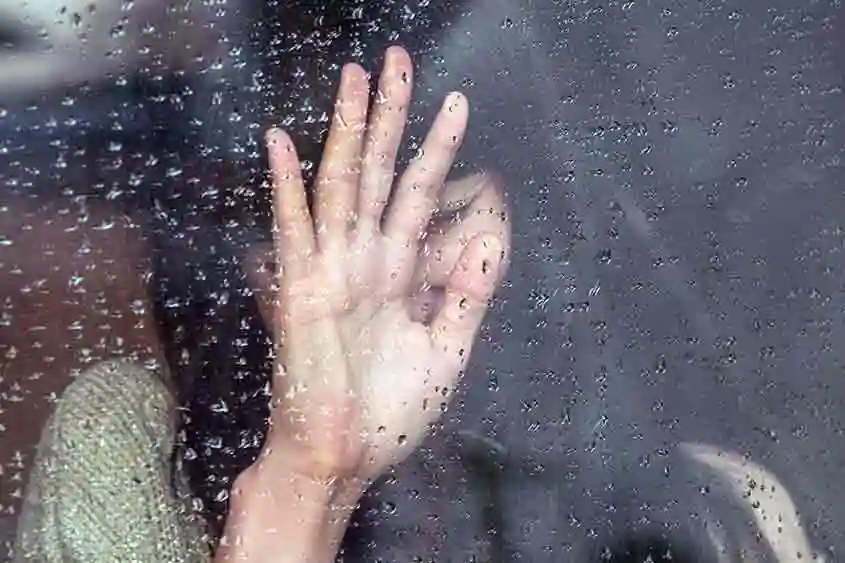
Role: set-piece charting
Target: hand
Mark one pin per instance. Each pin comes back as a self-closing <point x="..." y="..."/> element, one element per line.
<point x="359" y="378"/>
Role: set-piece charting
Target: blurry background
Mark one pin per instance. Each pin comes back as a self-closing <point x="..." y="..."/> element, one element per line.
<point x="674" y="172"/>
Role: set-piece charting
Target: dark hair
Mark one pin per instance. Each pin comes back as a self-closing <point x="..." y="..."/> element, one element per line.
<point x="216" y="349"/>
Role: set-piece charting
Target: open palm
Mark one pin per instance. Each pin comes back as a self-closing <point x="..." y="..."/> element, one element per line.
<point x="359" y="377"/>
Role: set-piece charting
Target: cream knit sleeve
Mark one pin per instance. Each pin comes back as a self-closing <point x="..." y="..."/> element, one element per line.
<point x="102" y="489"/>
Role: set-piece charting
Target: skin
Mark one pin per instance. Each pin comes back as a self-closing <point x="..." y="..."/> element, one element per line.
<point x="375" y="310"/>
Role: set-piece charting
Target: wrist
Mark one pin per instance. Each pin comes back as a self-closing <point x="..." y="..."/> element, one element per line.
<point x="280" y="515"/>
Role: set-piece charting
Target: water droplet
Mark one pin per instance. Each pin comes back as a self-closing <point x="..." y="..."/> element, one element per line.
<point x="388" y="507"/>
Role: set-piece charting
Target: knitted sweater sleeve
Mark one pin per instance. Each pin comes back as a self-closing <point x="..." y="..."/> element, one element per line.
<point x="102" y="487"/>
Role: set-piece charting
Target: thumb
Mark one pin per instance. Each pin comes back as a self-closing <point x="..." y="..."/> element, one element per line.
<point x="468" y="291"/>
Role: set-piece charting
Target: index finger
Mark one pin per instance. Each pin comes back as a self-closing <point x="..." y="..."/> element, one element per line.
<point x="293" y="226"/>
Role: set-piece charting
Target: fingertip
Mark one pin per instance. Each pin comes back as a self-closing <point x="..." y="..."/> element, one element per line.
<point x="352" y="97"/>
<point x="280" y="148"/>
<point x="454" y="116"/>
<point x="474" y="278"/>
<point x="276" y="137"/>
<point x="353" y="74"/>
<point x="284" y="162"/>
<point x="398" y="56"/>
<point x="397" y="53"/>
<point x="456" y="102"/>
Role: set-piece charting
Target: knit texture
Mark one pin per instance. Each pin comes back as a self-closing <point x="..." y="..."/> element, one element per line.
<point x="102" y="487"/>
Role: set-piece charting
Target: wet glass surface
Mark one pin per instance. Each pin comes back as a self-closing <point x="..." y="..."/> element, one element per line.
<point x="664" y="364"/>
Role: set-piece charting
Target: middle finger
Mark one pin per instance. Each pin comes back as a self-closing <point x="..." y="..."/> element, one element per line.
<point x="384" y="136"/>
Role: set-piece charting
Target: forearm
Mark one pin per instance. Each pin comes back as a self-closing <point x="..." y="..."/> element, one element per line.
<point x="279" y="517"/>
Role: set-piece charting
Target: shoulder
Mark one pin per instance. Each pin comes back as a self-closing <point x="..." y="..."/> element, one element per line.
<point x="121" y="382"/>
<point x="117" y="403"/>
<point x="101" y="485"/>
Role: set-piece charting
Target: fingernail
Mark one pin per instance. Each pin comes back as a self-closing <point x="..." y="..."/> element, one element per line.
<point x="276" y="136"/>
<point x="393" y="56"/>
<point x="453" y="101"/>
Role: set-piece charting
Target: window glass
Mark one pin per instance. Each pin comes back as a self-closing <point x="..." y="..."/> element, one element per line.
<point x="660" y="372"/>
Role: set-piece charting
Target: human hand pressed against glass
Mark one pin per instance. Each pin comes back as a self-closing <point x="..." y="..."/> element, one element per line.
<point x="358" y="379"/>
<point x="360" y="373"/>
